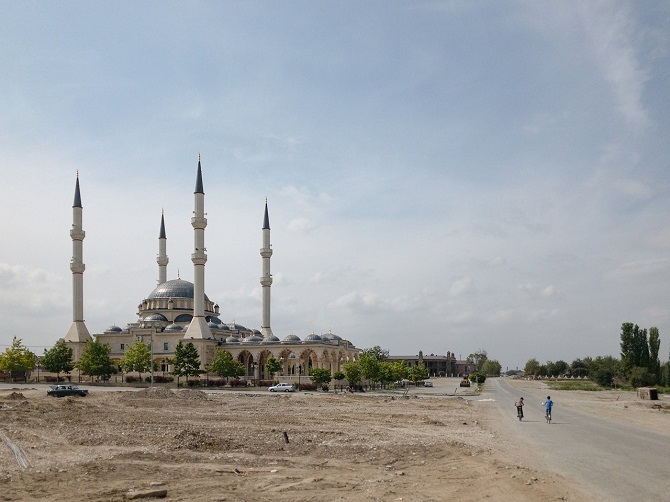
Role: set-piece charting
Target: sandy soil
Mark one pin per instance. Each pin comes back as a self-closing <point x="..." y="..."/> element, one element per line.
<point x="230" y="446"/>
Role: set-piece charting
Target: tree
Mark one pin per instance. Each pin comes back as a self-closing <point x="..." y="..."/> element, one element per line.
<point x="491" y="367"/>
<point x="654" y="347"/>
<point x="186" y="361"/>
<point x="352" y="370"/>
<point x="272" y="366"/>
<point x="639" y="376"/>
<point x="532" y="367"/>
<point x="321" y="377"/>
<point x="370" y="367"/>
<point x="603" y="370"/>
<point x="399" y="370"/>
<point x="136" y="358"/>
<point x="377" y="353"/>
<point x="225" y="366"/>
<point x="418" y="372"/>
<point x="58" y="359"/>
<point x="95" y="360"/>
<point x="338" y="375"/>
<point x="634" y="347"/>
<point x="17" y="359"/>
<point x="579" y="368"/>
<point x="478" y="359"/>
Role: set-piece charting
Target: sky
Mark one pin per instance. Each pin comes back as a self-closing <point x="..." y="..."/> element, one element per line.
<point x="440" y="175"/>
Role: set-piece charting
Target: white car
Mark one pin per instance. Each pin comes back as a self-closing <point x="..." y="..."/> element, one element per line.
<point x="428" y="384"/>
<point x="282" y="387"/>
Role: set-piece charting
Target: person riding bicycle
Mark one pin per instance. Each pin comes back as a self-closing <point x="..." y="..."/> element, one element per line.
<point x="547" y="407"/>
<point x="519" y="408"/>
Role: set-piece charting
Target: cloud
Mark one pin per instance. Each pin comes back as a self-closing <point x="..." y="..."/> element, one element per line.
<point x="302" y="225"/>
<point x="612" y="31"/>
<point x="462" y="286"/>
<point x="638" y="269"/>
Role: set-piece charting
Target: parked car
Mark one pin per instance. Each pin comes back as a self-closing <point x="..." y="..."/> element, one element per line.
<point x="427" y="384"/>
<point x="66" y="390"/>
<point x="281" y="387"/>
<point x="465" y="383"/>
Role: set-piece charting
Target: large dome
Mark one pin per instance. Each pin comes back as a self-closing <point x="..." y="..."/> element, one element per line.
<point x="176" y="288"/>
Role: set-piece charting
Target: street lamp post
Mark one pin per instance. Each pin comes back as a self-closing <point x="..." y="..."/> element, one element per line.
<point x="299" y="373"/>
<point x="253" y="371"/>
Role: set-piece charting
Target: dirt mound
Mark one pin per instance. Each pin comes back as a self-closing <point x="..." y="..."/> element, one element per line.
<point x="163" y="393"/>
<point x="16" y="396"/>
<point x="190" y="394"/>
<point x="150" y="393"/>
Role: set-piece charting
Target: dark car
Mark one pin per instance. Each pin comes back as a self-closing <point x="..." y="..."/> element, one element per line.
<point x="66" y="390"/>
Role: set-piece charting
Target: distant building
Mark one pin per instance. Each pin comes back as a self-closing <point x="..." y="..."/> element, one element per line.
<point x="446" y="365"/>
<point x="180" y="311"/>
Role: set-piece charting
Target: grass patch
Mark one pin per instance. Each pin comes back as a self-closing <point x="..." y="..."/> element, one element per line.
<point x="574" y="385"/>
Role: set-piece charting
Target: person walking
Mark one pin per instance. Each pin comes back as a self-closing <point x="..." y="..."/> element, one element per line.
<point x="548" y="404"/>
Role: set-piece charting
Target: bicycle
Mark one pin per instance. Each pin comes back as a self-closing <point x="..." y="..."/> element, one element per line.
<point x="548" y="416"/>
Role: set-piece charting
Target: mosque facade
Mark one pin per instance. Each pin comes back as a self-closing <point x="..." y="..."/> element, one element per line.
<point x="180" y="311"/>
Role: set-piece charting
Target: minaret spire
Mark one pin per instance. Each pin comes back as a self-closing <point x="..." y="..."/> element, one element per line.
<point x="266" y="278"/>
<point x="162" y="258"/>
<point x="198" y="329"/>
<point x="77" y="331"/>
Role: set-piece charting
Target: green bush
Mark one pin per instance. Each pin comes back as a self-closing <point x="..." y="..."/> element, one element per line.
<point x="478" y="377"/>
<point x="574" y="385"/>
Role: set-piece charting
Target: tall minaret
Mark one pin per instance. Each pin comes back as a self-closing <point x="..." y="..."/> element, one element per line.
<point x="78" y="331"/>
<point x="266" y="278"/>
<point x="198" y="328"/>
<point x="162" y="258"/>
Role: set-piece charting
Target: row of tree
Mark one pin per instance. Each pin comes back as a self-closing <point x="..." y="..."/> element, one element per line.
<point x="96" y="362"/>
<point x="638" y="366"/>
<point x="372" y="366"/>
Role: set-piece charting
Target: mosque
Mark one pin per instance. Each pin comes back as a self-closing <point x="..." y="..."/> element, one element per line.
<point x="178" y="310"/>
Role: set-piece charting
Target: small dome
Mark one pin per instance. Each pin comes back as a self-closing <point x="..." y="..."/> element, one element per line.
<point x="270" y="339"/>
<point x="252" y="338"/>
<point x="183" y="318"/>
<point x="313" y="338"/>
<point x="256" y="332"/>
<point x="215" y="320"/>
<point x="113" y="329"/>
<point x="155" y="317"/>
<point x="213" y="325"/>
<point x="223" y="327"/>
<point x="291" y="338"/>
<point x="232" y="339"/>
<point x="238" y="327"/>
<point x="173" y="327"/>
<point x="177" y="288"/>
<point x="330" y="336"/>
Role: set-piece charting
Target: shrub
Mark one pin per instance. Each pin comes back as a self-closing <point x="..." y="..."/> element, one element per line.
<point x="325" y="388"/>
<point x="640" y="377"/>
<point x="238" y="383"/>
<point x="53" y="379"/>
<point x="478" y="377"/>
<point x="216" y="382"/>
<point x="163" y="379"/>
<point x="307" y="386"/>
<point x="194" y="383"/>
<point x="131" y="379"/>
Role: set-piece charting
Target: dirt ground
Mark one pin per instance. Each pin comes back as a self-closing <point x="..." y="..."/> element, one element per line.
<point x="188" y="445"/>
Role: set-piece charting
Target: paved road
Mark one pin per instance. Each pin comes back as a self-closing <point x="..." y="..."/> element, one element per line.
<point x="611" y="460"/>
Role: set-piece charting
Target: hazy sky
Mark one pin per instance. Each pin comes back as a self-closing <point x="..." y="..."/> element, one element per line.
<point x="441" y="176"/>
